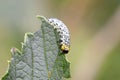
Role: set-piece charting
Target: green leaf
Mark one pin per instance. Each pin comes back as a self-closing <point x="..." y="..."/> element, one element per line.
<point x="40" y="58"/>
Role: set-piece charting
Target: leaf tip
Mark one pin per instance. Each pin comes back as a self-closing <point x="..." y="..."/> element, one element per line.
<point x="42" y="18"/>
<point x="15" y="50"/>
<point x="29" y="34"/>
<point x="8" y="61"/>
<point x="23" y="45"/>
<point x="38" y="16"/>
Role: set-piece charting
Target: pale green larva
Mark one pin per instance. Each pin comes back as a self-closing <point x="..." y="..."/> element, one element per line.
<point x="63" y="33"/>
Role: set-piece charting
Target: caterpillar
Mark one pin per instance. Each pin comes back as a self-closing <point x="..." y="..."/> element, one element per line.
<point x="64" y="34"/>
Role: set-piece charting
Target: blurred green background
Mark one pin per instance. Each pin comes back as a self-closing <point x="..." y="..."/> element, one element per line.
<point x="94" y="26"/>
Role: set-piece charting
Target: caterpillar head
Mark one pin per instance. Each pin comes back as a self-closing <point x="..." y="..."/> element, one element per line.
<point x="65" y="48"/>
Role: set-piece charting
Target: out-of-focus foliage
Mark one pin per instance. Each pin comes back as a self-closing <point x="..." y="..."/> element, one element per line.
<point x="111" y="67"/>
<point x="100" y="11"/>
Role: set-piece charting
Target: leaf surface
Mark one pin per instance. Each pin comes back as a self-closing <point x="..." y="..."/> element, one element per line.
<point x="40" y="57"/>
